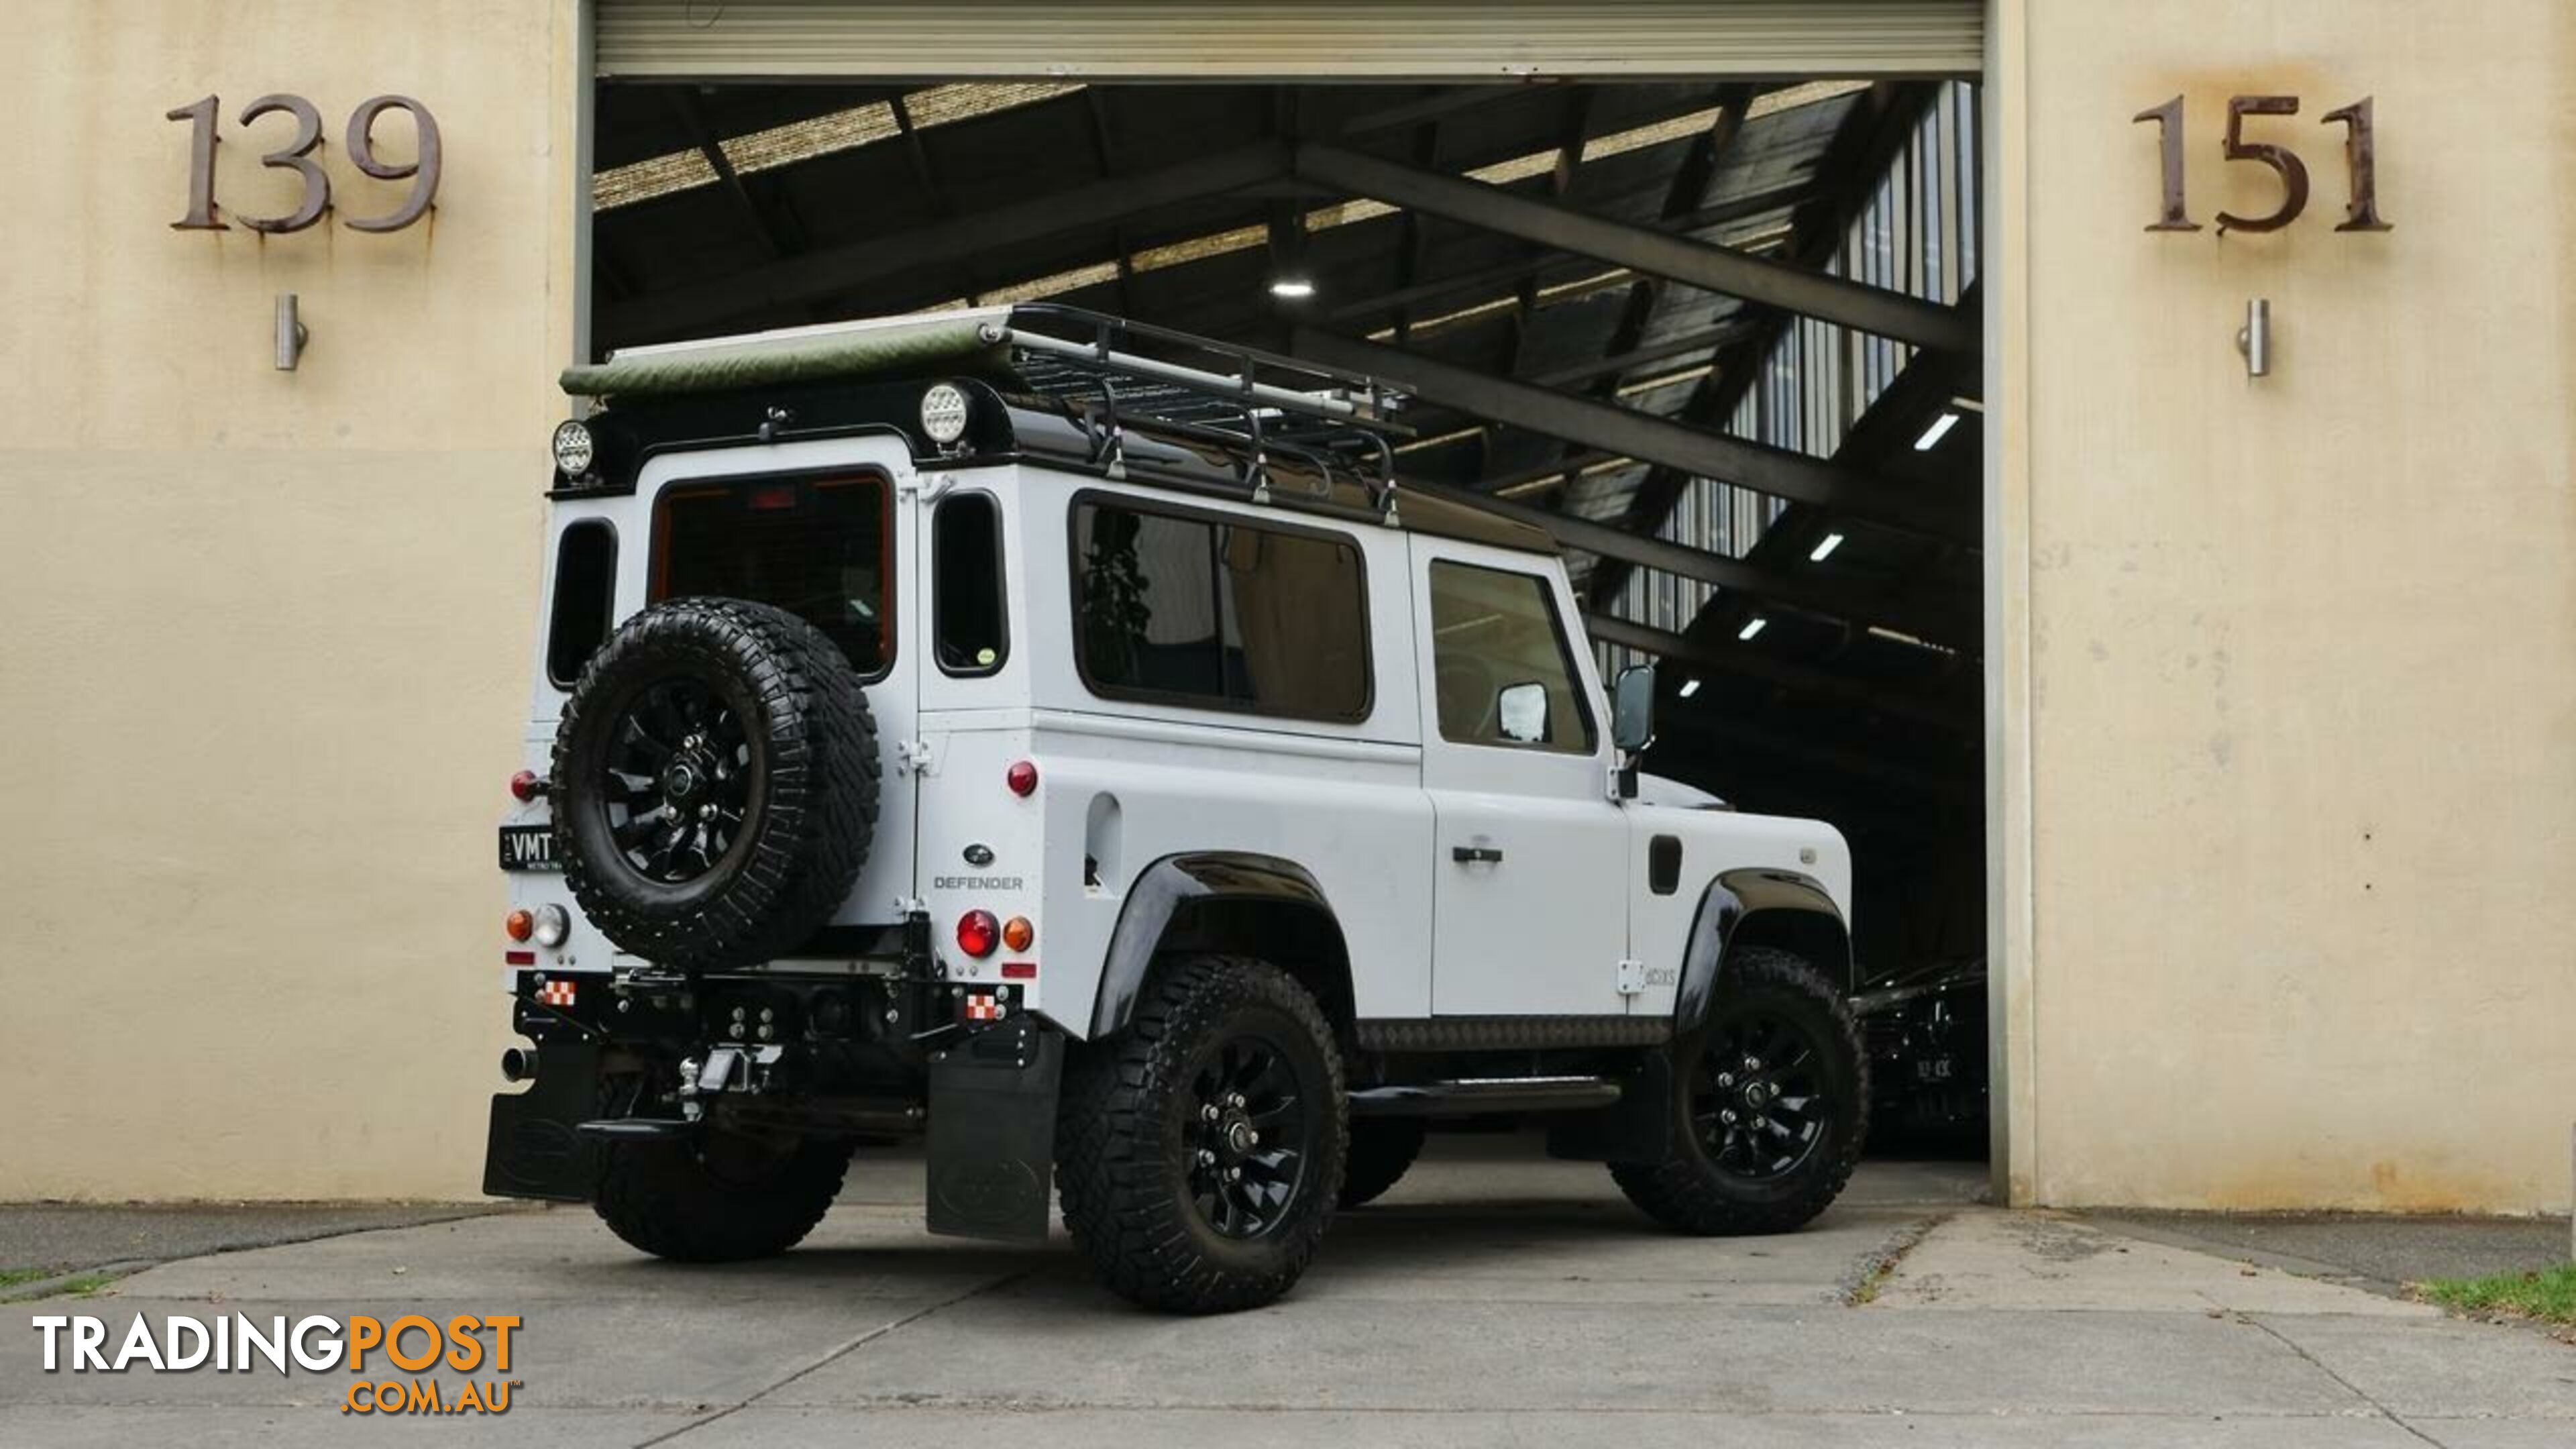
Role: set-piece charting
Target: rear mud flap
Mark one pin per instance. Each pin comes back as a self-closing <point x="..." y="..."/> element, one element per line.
<point x="992" y="1132"/>
<point x="532" y="1148"/>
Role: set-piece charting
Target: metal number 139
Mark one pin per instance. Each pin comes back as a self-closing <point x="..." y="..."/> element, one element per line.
<point x="2360" y="151"/>
<point x="297" y="156"/>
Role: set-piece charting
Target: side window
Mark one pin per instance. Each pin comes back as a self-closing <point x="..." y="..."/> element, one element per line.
<point x="968" y="620"/>
<point x="1202" y="610"/>
<point x="820" y="548"/>
<point x="1505" y="673"/>
<point x="585" y="598"/>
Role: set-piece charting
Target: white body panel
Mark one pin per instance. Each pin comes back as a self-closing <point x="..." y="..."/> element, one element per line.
<point x="1371" y="808"/>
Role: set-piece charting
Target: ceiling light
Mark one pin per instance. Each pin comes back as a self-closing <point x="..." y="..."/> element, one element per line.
<point x="1690" y="686"/>
<point x="1291" y="289"/>
<point x="1825" y="550"/>
<point x="1940" y="428"/>
<point x="1751" y="627"/>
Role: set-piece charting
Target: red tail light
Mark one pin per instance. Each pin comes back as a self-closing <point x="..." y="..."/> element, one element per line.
<point x="978" y="933"/>
<point x="527" y="785"/>
<point x="1022" y="777"/>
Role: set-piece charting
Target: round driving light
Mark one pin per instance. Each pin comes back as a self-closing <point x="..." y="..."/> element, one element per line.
<point x="1022" y="777"/>
<point x="1017" y="933"/>
<point x="554" y="924"/>
<point x="519" y="925"/>
<point x="978" y="933"/>
<point x="573" y="448"/>
<point x="943" y="413"/>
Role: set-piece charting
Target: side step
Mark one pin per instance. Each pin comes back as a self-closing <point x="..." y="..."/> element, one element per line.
<point x="1469" y="1096"/>
<point x="635" y="1129"/>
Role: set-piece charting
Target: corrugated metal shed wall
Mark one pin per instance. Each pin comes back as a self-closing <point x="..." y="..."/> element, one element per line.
<point x="1324" y="39"/>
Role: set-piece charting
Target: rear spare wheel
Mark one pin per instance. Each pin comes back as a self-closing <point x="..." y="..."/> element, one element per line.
<point x="715" y="783"/>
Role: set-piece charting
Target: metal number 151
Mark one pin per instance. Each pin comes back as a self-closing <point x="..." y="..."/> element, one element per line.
<point x="2360" y="146"/>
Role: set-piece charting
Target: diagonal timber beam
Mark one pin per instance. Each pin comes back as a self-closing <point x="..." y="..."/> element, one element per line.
<point x="1678" y="258"/>
<point x="1643" y="436"/>
<point x="841" y="268"/>
<point x="1811" y="595"/>
<point x="1798" y="678"/>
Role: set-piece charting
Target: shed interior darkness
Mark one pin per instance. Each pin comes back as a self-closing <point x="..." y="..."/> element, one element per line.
<point x="1562" y="369"/>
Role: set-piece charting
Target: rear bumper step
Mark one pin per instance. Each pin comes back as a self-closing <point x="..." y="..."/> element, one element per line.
<point x="1469" y="1096"/>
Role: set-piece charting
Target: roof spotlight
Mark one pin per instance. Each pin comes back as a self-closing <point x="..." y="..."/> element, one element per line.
<point x="943" y="413"/>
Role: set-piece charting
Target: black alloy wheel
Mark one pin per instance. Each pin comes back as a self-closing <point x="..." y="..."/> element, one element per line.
<point x="1758" y="1100"/>
<point x="714" y="791"/>
<point x="684" y="779"/>
<point x="1250" y="1135"/>
<point x="1769" y="1102"/>
<point x="1200" y="1147"/>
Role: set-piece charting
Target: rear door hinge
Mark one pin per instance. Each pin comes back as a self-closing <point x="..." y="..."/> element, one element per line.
<point x="913" y="756"/>
<point x="1632" y="977"/>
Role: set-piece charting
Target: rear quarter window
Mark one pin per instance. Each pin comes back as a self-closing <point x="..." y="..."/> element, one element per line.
<point x="584" y="599"/>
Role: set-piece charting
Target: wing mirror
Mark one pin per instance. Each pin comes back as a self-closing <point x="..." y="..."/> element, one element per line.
<point x="1632" y="709"/>
<point x="1520" y="712"/>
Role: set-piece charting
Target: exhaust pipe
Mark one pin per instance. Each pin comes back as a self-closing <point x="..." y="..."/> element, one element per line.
<point x="518" y="1065"/>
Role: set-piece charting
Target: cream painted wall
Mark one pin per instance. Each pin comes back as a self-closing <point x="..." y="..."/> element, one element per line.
<point x="267" y="634"/>
<point x="2301" y="721"/>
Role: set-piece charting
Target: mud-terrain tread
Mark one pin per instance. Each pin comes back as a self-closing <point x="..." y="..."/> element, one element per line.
<point x="1112" y="1175"/>
<point x="1685" y="1192"/>
<point x="1382" y="1150"/>
<point x="820" y="804"/>
<point x="659" y="1199"/>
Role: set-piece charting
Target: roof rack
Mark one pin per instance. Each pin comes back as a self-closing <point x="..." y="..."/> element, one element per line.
<point x="1111" y="373"/>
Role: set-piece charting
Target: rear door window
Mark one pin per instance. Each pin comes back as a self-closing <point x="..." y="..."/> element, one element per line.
<point x="820" y="548"/>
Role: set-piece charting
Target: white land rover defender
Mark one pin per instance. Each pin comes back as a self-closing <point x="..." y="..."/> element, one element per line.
<point x="1064" y="739"/>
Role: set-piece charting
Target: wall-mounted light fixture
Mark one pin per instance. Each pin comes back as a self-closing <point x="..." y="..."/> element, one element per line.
<point x="2254" y="339"/>
<point x="291" y="335"/>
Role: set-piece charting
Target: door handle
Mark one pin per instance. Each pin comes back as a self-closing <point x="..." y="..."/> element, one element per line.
<point x="1472" y="854"/>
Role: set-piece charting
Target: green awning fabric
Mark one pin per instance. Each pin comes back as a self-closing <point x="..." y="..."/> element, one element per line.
<point x="949" y="345"/>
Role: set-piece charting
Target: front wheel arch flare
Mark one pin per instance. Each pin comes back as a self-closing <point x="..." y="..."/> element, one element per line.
<point x="1780" y="909"/>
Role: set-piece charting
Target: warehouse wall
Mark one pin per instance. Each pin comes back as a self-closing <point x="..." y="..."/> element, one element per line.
<point x="2289" y="657"/>
<point x="267" y="641"/>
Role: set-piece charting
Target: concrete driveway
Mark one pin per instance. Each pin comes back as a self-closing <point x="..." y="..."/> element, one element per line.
<point x="1482" y="1303"/>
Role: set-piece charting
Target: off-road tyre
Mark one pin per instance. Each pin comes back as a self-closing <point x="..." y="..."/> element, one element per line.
<point x="1691" y="1190"/>
<point x="707" y="1204"/>
<point x="1130" y="1132"/>
<point x="1382" y="1148"/>
<point x="805" y="800"/>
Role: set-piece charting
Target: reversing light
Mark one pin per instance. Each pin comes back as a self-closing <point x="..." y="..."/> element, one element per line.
<point x="978" y="933"/>
<point x="1017" y="933"/>
<point x="527" y="785"/>
<point x="574" y="450"/>
<point x="554" y="924"/>
<point x="519" y="925"/>
<point x="943" y="413"/>
<point x="1022" y="777"/>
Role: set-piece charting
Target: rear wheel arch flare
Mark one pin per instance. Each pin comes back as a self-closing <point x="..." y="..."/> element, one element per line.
<point x="1225" y="901"/>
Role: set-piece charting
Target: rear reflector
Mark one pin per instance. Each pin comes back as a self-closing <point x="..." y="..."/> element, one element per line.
<point x="1019" y="971"/>
<point x="519" y="958"/>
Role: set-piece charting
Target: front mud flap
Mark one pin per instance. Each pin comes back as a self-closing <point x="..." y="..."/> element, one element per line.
<point x="992" y="1132"/>
<point x="532" y="1148"/>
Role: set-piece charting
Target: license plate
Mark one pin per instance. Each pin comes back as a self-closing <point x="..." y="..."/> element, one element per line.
<point x="528" y="847"/>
